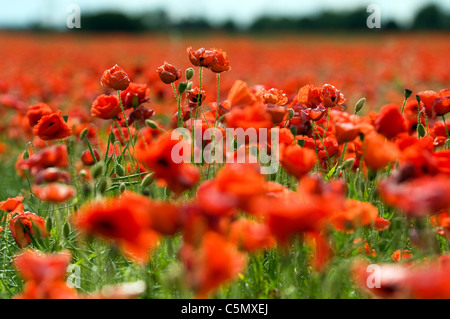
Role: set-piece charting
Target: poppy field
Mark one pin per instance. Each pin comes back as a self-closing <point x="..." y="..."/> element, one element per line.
<point x="102" y="197"/>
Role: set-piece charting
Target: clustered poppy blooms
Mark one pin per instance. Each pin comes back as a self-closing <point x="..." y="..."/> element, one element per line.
<point x="225" y="218"/>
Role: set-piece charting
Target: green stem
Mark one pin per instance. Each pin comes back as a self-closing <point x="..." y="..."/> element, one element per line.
<point x="178" y="98"/>
<point x="321" y="139"/>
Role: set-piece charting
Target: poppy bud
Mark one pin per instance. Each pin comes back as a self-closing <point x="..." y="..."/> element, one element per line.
<point x="189" y="86"/>
<point x="103" y="185"/>
<point x="301" y="142"/>
<point x="291" y="113"/>
<point x="293" y="130"/>
<point x="120" y="171"/>
<point x="148" y="180"/>
<point x="189" y="73"/>
<point x="122" y="188"/>
<point x="66" y="230"/>
<point x="182" y="87"/>
<point x="418" y="99"/>
<point x="25" y="155"/>
<point x="84" y="133"/>
<point x="49" y="224"/>
<point x="97" y="170"/>
<point x="359" y="105"/>
<point x="347" y="163"/>
<point x="86" y="190"/>
<point x="83" y="173"/>
<point x="420" y="130"/>
<point x="447" y="144"/>
<point x="407" y="93"/>
<point x="115" y="78"/>
<point x="151" y="124"/>
<point x="168" y="73"/>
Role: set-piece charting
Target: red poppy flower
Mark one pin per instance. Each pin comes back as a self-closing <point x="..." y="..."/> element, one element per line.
<point x="106" y="107"/>
<point x="419" y="196"/>
<point x="52" y="127"/>
<point x="202" y="57"/>
<point x="158" y="158"/>
<point x="36" y="112"/>
<point x="44" y="275"/>
<point x="401" y="255"/>
<point x="297" y="160"/>
<point x="221" y="63"/>
<point x="255" y="116"/>
<point x="124" y="220"/>
<point x="12" y="205"/>
<point x="115" y="78"/>
<point x="358" y="214"/>
<point x="233" y="187"/>
<point x="378" y="152"/>
<point x="168" y="73"/>
<point x="290" y="214"/>
<point x="53" y="192"/>
<point x="24" y="224"/>
<point x="331" y="96"/>
<point x="87" y="159"/>
<point x="53" y="156"/>
<point x="239" y="95"/>
<point x="390" y="121"/>
<point x="134" y="95"/>
<point x="364" y="245"/>
<point x="50" y="175"/>
<point x="214" y="262"/>
<point x="427" y="281"/>
<point x="250" y="235"/>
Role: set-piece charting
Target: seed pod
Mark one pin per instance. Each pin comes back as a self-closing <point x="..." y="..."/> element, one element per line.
<point x="49" y="224"/>
<point x="360" y="104"/>
<point x="66" y="230"/>
<point x="407" y="93"/>
<point x="182" y="87"/>
<point x="83" y="134"/>
<point x="120" y="171"/>
<point x="348" y="163"/>
<point x="301" y="142"/>
<point x="148" y="180"/>
<point x="97" y="170"/>
<point x="189" y="73"/>
<point x="122" y="188"/>
<point x="420" y="130"/>
<point x="151" y="124"/>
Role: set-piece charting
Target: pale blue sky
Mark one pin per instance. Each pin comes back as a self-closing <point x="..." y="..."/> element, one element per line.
<point x="22" y="12"/>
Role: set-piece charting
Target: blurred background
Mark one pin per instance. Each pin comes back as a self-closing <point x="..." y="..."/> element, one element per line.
<point x="282" y="44"/>
<point x="227" y="16"/>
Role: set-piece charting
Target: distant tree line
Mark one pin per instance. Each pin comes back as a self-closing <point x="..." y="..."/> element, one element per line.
<point x="430" y="17"/>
